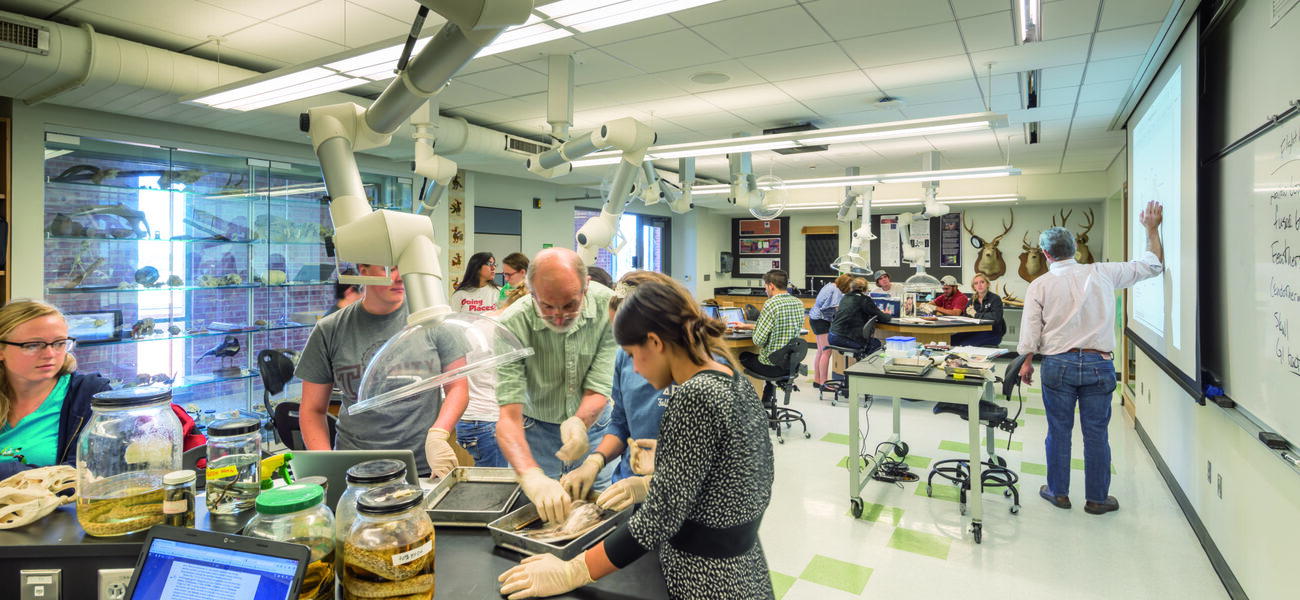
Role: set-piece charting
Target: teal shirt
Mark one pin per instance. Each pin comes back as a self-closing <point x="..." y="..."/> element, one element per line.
<point x="36" y="437"/>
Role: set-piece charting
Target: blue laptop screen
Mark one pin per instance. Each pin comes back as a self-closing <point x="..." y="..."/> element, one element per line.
<point x="182" y="571"/>
<point x="710" y="311"/>
<point x="733" y="315"/>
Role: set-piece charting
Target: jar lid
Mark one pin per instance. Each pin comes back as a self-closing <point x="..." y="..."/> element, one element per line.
<point x="178" y="477"/>
<point x="389" y="499"/>
<point x="236" y="426"/>
<point x="289" y="499"/>
<point x="320" y="480"/>
<point x="133" y="396"/>
<point x="381" y="470"/>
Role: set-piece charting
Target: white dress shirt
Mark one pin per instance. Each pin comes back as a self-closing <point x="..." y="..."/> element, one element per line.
<point x="1073" y="305"/>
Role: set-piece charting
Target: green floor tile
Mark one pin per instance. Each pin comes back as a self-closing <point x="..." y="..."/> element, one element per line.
<point x="880" y="513"/>
<point x="917" y="462"/>
<point x="964" y="448"/>
<point x="1035" y="411"/>
<point x="1077" y="464"/>
<point x="1028" y="468"/>
<point x="781" y="583"/>
<point x="952" y="446"/>
<point x="919" y="542"/>
<point x="943" y="490"/>
<point x="1015" y="446"/>
<point x="836" y="438"/>
<point x="1020" y="422"/>
<point x="843" y="576"/>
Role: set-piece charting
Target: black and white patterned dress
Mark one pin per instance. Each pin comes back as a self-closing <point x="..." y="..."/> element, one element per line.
<point x="713" y="466"/>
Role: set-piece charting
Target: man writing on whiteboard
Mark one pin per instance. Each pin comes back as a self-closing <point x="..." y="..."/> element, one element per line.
<point x="1069" y="320"/>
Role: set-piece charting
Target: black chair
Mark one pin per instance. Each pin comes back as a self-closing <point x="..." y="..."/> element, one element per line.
<point x="276" y="369"/>
<point x="995" y="472"/>
<point x="751" y="313"/>
<point x="839" y="386"/>
<point x="190" y="461"/>
<point x="791" y="357"/>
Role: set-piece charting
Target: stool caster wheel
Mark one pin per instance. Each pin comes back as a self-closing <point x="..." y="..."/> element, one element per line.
<point x="999" y="461"/>
<point x="833" y="403"/>
<point x="780" y="440"/>
<point x="1015" y="509"/>
<point x="807" y="435"/>
<point x="855" y="505"/>
<point x="978" y="530"/>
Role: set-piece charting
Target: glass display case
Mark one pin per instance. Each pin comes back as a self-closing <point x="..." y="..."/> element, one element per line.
<point x="177" y="266"/>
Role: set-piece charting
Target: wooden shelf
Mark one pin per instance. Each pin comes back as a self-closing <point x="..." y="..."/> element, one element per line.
<point x="821" y="230"/>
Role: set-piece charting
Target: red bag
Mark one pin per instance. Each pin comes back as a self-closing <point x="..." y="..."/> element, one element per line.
<point x="189" y="431"/>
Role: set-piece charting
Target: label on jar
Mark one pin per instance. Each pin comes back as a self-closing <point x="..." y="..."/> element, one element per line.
<point x="223" y="472"/>
<point x="402" y="558"/>
<point x="175" y="507"/>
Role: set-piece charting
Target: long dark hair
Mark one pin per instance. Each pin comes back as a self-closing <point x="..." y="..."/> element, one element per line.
<point x="472" y="269"/>
<point x="659" y="305"/>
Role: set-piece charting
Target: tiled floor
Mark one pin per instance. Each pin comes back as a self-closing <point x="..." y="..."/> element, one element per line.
<point x="908" y="544"/>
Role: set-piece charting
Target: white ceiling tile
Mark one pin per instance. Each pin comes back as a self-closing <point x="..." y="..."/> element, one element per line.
<point x="751" y="95"/>
<point x="674" y="107"/>
<point x="189" y="18"/>
<point x="937" y="92"/>
<point x="852" y="18"/>
<point x="1123" y="14"/>
<point x="566" y="45"/>
<point x="904" y="75"/>
<point x="273" y="40"/>
<point x="646" y="88"/>
<point x="739" y="74"/>
<point x="591" y="119"/>
<point x="1129" y="41"/>
<point x="460" y="93"/>
<point x="512" y="109"/>
<point x="971" y="8"/>
<point x="912" y="45"/>
<point x="160" y="37"/>
<point x="988" y="32"/>
<point x="764" y="32"/>
<point x="509" y="81"/>
<point x="365" y="26"/>
<point x="713" y="122"/>
<point x="1006" y="103"/>
<point x="851" y="106"/>
<point x="847" y="117"/>
<point x="482" y="64"/>
<point x="39" y="9"/>
<point x="258" y="9"/>
<point x="628" y="31"/>
<point x="777" y="114"/>
<point x="1111" y="90"/>
<point x="666" y="51"/>
<point x="593" y="66"/>
<point x="1066" y="19"/>
<point x="402" y="10"/>
<point x="943" y="109"/>
<point x="728" y="9"/>
<point x="1042" y="113"/>
<point x="1115" y="69"/>
<point x="1058" y="96"/>
<point x="849" y="84"/>
<point x="1039" y="55"/>
<point x="1100" y="108"/>
<point x="800" y="62"/>
<point x="1063" y="76"/>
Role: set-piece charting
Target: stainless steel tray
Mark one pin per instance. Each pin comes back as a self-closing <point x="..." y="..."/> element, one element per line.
<point x="505" y="533"/>
<point x="969" y="372"/>
<point x="908" y="366"/>
<point x="472" y="496"/>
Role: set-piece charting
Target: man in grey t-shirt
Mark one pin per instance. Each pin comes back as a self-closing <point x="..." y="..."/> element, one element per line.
<point x="337" y="354"/>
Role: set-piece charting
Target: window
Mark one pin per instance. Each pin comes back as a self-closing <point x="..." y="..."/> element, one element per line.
<point x="648" y="239"/>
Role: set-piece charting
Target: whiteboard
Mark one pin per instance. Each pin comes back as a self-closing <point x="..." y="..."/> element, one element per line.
<point x="1260" y="231"/>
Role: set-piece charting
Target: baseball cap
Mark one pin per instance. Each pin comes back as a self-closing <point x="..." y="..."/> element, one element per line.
<point x="879" y="274"/>
<point x="948" y="280"/>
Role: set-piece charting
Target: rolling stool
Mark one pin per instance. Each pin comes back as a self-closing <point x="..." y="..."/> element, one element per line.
<point x="839" y="386"/>
<point x="791" y="355"/>
<point x="995" y="472"/>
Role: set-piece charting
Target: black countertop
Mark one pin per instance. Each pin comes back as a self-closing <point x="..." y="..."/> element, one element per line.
<point x="748" y="291"/>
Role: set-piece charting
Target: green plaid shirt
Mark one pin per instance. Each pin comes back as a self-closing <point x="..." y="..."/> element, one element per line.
<point x="780" y="322"/>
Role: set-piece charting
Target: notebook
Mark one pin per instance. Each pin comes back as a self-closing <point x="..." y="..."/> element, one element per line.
<point x="179" y="563"/>
<point x="333" y="465"/>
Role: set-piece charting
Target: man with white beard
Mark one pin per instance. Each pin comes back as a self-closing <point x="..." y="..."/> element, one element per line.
<point x="555" y="404"/>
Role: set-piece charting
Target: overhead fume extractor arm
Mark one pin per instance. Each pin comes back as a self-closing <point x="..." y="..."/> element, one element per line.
<point x="384" y="237"/>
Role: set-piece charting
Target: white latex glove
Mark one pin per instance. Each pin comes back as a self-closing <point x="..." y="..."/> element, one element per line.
<point x="573" y="433"/>
<point x="544" y="575"/>
<point x="642" y="455"/>
<point x="547" y="494"/>
<point x="624" y="493"/>
<point x="438" y="452"/>
<point x="579" y="481"/>
<point x="970" y="311"/>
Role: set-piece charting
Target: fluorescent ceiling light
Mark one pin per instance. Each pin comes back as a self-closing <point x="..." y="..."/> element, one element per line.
<point x="910" y="202"/>
<point x="822" y="182"/>
<point x="949" y="174"/>
<point x="377" y="62"/>
<point x="856" y="133"/>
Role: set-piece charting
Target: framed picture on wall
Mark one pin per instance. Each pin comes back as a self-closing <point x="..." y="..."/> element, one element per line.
<point x="757" y="227"/>
<point x="760" y="246"/>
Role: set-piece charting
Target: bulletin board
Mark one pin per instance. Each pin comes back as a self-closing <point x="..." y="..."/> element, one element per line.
<point x="901" y="272"/>
<point x="760" y="246"/>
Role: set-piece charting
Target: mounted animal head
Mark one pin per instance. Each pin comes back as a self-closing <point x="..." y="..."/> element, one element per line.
<point x="989" y="259"/>
<point x="1008" y="297"/>
<point x="1082" y="254"/>
<point x="1032" y="263"/>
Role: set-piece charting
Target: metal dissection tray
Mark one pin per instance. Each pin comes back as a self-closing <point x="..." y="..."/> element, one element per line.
<point x="508" y="532"/>
<point x="472" y="496"/>
<point x="908" y="366"/>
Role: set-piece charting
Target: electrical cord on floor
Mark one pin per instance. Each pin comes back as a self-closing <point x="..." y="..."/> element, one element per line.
<point x="893" y="470"/>
<point x="866" y="421"/>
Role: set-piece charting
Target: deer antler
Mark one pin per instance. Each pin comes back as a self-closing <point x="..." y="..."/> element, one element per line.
<point x="1088" y="227"/>
<point x="1006" y="227"/>
<point x="1025" y="245"/>
<point x="1065" y="216"/>
<point x="1007" y="296"/>
<point x="970" y="228"/>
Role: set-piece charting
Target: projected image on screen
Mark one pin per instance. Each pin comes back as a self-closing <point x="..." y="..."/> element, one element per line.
<point x="1156" y="176"/>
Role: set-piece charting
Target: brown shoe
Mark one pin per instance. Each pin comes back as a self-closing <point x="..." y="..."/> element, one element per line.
<point x="1057" y="501"/>
<point x="1101" y="508"/>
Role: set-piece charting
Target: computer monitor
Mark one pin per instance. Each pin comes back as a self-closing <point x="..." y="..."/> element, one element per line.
<point x="181" y="563"/>
<point x="710" y="310"/>
<point x="732" y="314"/>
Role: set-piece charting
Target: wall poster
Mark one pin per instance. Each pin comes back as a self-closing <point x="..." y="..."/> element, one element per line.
<point x="950" y="240"/>
<point x="760" y="246"/>
<point x="891" y="252"/>
<point x="759" y="265"/>
<point x="756" y="227"/>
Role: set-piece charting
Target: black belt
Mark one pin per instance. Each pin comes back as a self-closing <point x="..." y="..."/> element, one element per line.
<point x="712" y="542"/>
<point x="1104" y="353"/>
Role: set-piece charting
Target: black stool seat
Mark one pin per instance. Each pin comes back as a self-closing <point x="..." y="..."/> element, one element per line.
<point x="789" y="356"/>
<point x="990" y="413"/>
<point x="839" y="386"/>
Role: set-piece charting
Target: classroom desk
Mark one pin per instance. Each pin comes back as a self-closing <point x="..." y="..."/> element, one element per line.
<point x="867" y="377"/>
<point x="937" y="332"/>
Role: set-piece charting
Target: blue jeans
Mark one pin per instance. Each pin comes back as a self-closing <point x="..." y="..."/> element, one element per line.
<point x="479" y="439"/>
<point x="544" y="441"/>
<point x="1088" y="379"/>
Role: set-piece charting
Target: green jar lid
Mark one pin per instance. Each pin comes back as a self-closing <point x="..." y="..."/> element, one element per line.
<point x="289" y="499"/>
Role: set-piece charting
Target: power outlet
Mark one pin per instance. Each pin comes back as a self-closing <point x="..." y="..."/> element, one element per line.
<point x="113" y="582"/>
<point x="40" y="584"/>
<point x="1220" y="487"/>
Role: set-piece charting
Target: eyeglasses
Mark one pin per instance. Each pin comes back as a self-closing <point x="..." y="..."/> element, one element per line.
<point x="63" y="345"/>
<point x="567" y="311"/>
<point x="492" y="264"/>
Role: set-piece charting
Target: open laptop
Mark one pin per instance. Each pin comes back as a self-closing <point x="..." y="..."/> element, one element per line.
<point x="333" y="465"/>
<point x="180" y="563"/>
<point x="710" y="311"/>
<point x="732" y="314"/>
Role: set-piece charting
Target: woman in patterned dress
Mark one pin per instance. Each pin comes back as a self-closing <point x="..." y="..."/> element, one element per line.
<point x="713" y="465"/>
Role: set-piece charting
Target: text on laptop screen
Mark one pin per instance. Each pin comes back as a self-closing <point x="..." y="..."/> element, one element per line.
<point x="182" y="571"/>
<point x="733" y="315"/>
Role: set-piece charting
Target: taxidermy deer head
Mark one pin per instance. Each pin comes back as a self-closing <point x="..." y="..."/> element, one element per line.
<point x="1009" y="298"/>
<point x="1082" y="254"/>
<point x="1032" y="263"/>
<point x="989" y="259"/>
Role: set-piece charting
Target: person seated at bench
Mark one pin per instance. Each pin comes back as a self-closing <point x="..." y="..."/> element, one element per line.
<point x="984" y="305"/>
<point x="856" y="307"/>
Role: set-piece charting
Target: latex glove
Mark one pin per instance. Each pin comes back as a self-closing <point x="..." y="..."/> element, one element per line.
<point x="970" y="311"/>
<point x="547" y="494"/>
<point x="438" y="452"/>
<point x="573" y="433"/>
<point x="642" y="455"/>
<point x="544" y="575"/>
<point x="624" y="493"/>
<point x="579" y="481"/>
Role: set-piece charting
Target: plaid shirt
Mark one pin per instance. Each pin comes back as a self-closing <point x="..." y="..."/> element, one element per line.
<point x="780" y="322"/>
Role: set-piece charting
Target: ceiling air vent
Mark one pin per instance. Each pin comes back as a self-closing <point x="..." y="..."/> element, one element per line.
<point x="24" y="37"/>
<point x="796" y="128"/>
<point x="525" y="147"/>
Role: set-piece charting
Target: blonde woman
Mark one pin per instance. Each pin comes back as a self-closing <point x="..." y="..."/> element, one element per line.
<point x="983" y="305"/>
<point x="44" y="402"/>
